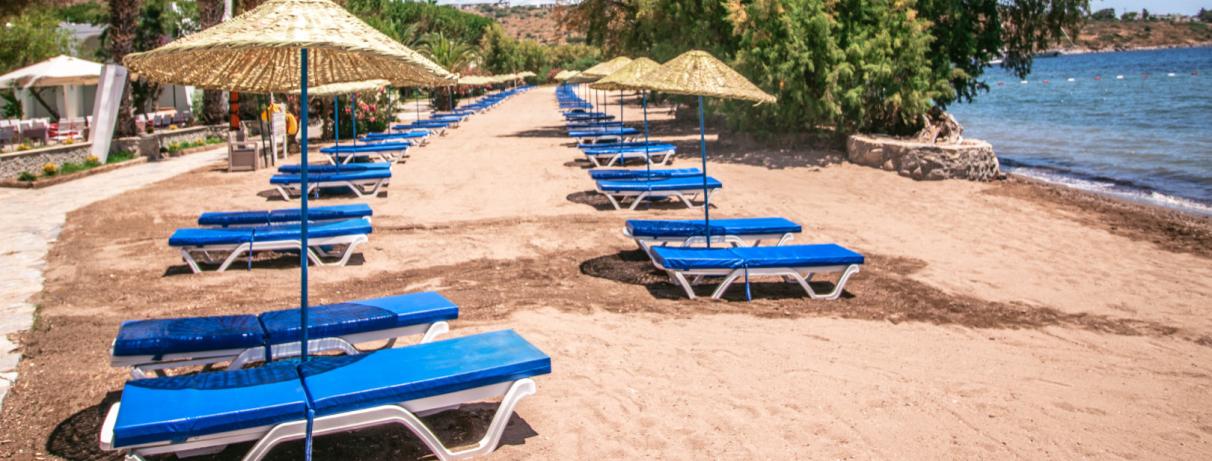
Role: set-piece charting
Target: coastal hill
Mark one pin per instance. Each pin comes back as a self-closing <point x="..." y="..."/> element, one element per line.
<point x="1126" y="35"/>
<point x="538" y="23"/>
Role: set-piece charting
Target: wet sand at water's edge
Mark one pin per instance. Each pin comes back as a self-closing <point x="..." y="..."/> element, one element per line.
<point x="998" y="320"/>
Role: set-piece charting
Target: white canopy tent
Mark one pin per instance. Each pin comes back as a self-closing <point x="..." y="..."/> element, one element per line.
<point x="73" y="74"/>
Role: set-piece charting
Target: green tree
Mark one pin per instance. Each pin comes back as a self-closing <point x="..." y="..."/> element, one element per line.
<point x="32" y="37"/>
<point x="123" y="20"/>
<point x="1129" y="16"/>
<point x="1105" y="14"/>
<point x="455" y="56"/>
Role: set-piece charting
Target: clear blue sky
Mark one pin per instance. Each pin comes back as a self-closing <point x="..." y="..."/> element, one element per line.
<point x="1154" y="6"/>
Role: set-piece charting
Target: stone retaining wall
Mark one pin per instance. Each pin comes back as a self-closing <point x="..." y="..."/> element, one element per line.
<point x="971" y="159"/>
<point x="13" y="163"/>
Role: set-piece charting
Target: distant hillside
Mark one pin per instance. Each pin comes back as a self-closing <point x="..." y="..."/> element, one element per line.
<point x="538" y="23"/>
<point x="1117" y="35"/>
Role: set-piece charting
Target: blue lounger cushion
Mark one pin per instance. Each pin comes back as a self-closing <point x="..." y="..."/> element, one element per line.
<point x="364" y="175"/>
<point x="335" y="320"/>
<point x="365" y="148"/>
<point x="696" y="227"/>
<point x="235" y="236"/>
<point x="820" y="255"/>
<point x="671" y="184"/>
<point x="375" y="137"/>
<point x="613" y="149"/>
<point x="642" y="174"/>
<point x="179" y="407"/>
<point x="329" y="168"/>
<point x="169" y="336"/>
<point x="621" y="144"/>
<point x="603" y="132"/>
<point x="158" y="337"/>
<point x="390" y="376"/>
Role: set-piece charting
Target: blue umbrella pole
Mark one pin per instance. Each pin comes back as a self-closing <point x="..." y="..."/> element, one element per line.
<point x="303" y="209"/>
<point x="336" y="119"/>
<point x="353" y="107"/>
<point x="620" y="105"/>
<point x="647" y="155"/>
<point x="703" y="154"/>
<point x="303" y="234"/>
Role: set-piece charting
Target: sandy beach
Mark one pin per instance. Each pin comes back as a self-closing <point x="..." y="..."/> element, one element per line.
<point x="991" y="320"/>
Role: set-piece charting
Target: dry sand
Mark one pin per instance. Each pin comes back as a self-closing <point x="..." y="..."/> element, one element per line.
<point x="992" y="321"/>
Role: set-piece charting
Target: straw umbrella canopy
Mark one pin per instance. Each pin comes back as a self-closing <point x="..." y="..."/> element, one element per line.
<point x="527" y="74"/>
<point x="603" y="69"/>
<point x="338" y="89"/>
<point x="281" y="46"/>
<point x="631" y="77"/>
<point x="258" y="52"/>
<point x="474" y="80"/>
<point x="698" y="73"/>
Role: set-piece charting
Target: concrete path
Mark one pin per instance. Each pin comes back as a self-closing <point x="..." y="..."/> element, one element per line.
<point x="30" y="220"/>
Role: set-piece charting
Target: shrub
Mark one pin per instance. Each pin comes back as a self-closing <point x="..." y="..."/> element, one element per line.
<point x="50" y="169"/>
<point x="172" y="126"/>
<point x="72" y="167"/>
<point x="26" y="176"/>
<point x="174" y="147"/>
<point x="24" y="146"/>
<point x="92" y="160"/>
<point x="120" y="156"/>
<point x="213" y="139"/>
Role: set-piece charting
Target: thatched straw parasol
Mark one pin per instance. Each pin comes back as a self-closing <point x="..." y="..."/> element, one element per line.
<point x="276" y="47"/>
<point x="258" y="51"/>
<point x="474" y="80"/>
<point x="603" y="69"/>
<point x="698" y="73"/>
<point x="628" y="77"/>
<point x="631" y="77"/>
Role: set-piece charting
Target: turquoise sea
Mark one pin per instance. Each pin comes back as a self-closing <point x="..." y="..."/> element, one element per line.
<point x="1135" y="124"/>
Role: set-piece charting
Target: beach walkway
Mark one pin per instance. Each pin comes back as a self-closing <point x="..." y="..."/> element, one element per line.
<point x="33" y="218"/>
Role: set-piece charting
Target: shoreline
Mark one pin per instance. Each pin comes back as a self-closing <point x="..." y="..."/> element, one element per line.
<point x="1077" y="51"/>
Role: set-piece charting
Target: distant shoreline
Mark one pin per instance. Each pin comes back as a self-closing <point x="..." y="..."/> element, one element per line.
<point x="1081" y="50"/>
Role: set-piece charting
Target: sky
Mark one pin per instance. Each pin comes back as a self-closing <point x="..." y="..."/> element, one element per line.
<point x="1154" y="6"/>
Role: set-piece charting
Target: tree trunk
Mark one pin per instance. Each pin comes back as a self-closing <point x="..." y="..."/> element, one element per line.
<point x="210" y="13"/>
<point x="123" y="17"/>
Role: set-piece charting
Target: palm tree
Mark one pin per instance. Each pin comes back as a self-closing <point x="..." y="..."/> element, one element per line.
<point x="123" y="17"/>
<point x="455" y="56"/>
<point x="210" y="13"/>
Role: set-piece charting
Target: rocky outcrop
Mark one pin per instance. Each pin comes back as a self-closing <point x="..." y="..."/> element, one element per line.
<point x="969" y="159"/>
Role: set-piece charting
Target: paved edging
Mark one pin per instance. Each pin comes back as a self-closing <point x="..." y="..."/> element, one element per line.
<point x="36" y="217"/>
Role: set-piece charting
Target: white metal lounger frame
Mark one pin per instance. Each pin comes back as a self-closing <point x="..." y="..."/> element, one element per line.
<point x="619" y="198"/>
<point x="360" y="188"/>
<point x="145" y="366"/>
<point x="405" y="413"/>
<point x="314" y="250"/>
<point x="604" y="138"/>
<point x="382" y="156"/>
<point x="613" y="158"/>
<point x="802" y="275"/>
<point x="751" y="240"/>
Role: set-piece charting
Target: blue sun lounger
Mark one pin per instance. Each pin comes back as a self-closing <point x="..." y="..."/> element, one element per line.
<point x="685" y="189"/>
<point x="610" y="155"/>
<point x="360" y="183"/>
<point x="229" y="244"/>
<point x="204" y="413"/>
<point x="284" y="216"/>
<point x="590" y="124"/>
<point x="151" y="346"/>
<point x="728" y="231"/>
<point x="603" y="135"/>
<point x="387" y="151"/>
<point x="796" y="262"/>
<point x="414" y="137"/>
<point x="330" y="168"/>
<point x="661" y="173"/>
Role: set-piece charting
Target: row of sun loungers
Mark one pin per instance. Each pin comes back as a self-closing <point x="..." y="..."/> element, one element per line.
<point x="203" y="413"/>
<point x="739" y="248"/>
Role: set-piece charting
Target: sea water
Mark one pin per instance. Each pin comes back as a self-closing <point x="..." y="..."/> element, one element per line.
<point x="1136" y="124"/>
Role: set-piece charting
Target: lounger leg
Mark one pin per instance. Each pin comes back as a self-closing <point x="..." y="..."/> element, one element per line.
<point x="397" y="414"/>
<point x="349" y="250"/>
<point x="243" y="248"/>
<point x="638" y="200"/>
<point x="685" y="200"/>
<point x="285" y="194"/>
<point x="189" y="259"/>
<point x="719" y="291"/>
<point x="613" y="201"/>
<point x="837" y="289"/>
<point x="437" y="329"/>
<point x="681" y="280"/>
